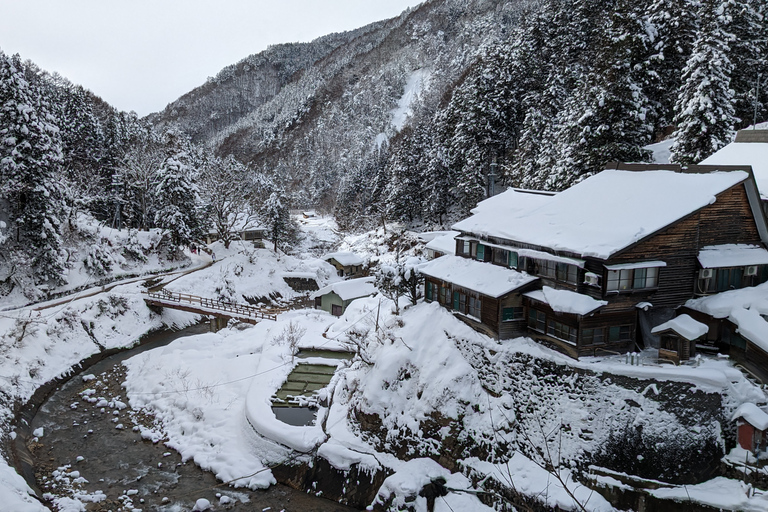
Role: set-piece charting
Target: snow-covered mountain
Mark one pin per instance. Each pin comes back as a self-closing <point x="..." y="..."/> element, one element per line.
<point x="402" y="119"/>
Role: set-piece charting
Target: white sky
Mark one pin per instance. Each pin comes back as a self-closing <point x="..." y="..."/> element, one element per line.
<point x="142" y="54"/>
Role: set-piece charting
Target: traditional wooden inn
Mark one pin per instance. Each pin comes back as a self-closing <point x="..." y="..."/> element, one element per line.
<point x="594" y="268"/>
<point x="749" y="148"/>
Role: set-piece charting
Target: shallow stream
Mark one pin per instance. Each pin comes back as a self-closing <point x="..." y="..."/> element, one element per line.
<point x="90" y="449"/>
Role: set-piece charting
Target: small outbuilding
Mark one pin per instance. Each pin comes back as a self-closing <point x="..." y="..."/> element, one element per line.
<point x="679" y="337"/>
<point x="751" y="427"/>
<point x="346" y="263"/>
<point x="442" y="245"/>
<point x="335" y="297"/>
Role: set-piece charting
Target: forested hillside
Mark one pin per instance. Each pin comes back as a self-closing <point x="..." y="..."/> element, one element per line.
<point x="67" y="160"/>
<point x="414" y="118"/>
<point x="403" y="120"/>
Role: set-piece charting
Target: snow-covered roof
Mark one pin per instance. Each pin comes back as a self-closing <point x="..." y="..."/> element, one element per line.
<point x="348" y="290"/>
<point x="753" y="415"/>
<point x="346" y="259"/>
<point x="747" y="308"/>
<point x="602" y="214"/>
<point x="566" y="301"/>
<point x="486" y="278"/>
<point x="684" y="326"/>
<point x="732" y="255"/>
<point x="300" y="275"/>
<point x="445" y="244"/>
<point x="745" y="153"/>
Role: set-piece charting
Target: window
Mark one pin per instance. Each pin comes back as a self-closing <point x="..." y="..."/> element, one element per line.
<point x="536" y="320"/>
<point x="561" y="331"/>
<point x="593" y="336"/>
<point x="632" y="279"/>
<point x="466" y="247"/>
<point x="460" y="302"/>
<point x="480" y="252"/>
<point x="501" y="257"/>
<point x="445" y="295"/>
<point x="431" y="292"/>
<point x="475" y="307"/>
<point x="618" y="333"/>
<point x="511" y="314"/>
<point x="563" y="272"/>
<point x="512" y="259"/>
<point x="335" y="310"/>
<point x="318" y="302"/>
<point x="731" y="278"/>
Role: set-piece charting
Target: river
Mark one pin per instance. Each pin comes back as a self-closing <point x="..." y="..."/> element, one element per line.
<point x="89" y="448"/>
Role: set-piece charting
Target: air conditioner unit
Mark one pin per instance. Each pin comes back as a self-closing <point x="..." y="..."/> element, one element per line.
<point x="706" y="273"/>
<point x="751" y="270"/>
<point x="591" y="279"/>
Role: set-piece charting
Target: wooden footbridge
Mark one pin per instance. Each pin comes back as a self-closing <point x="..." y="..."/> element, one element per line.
<point x="224" y="310"/>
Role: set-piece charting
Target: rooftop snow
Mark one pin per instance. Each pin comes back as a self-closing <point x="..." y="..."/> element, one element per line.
<point x="745" y="153"/>
<point x="445" y="244"/>
<point x="566" y="301"/>
<point x="732" y="255"/>
<point x="753" y="415"/>
<point x="601" y="215"/>
<point x="685" y="326"/>
<point x="348" y="290"/>
<point x="486" y="278"/>
<point x="346" y="259"/>
<point x="747" y="308"/>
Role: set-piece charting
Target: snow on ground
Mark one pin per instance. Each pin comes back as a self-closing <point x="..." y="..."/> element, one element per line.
<point x="209" y="391"/>
<point x="321" y="235"/>
<point x="720" y="493"/>
<point x="243" y="271"/>
<point x="38" y="346"/>
<point x="417" y="81"/>
<point x="531" y="479"/>
<point x="98" y="254"/>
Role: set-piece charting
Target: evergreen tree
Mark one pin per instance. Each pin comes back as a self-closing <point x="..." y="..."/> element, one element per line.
<point x="276" y="216"/>
<point x="404" y="192"/>
<point x="674" y="25"/>
<point x="749" y="55"/>
<point x="609" y="115"/>
<point x="178" y="212"/>
<point x="30" y="158"/>
<point x="704" y="112"/>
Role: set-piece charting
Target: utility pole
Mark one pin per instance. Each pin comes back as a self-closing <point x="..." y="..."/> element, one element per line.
<point x="492" y="178"/>
<point x="757" y="96"/>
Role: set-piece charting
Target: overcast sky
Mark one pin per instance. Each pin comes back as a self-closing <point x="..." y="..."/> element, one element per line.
<point x="142" y="54"/>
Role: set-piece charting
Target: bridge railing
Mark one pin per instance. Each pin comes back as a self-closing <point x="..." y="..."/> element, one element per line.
<point x="232" y="308"/>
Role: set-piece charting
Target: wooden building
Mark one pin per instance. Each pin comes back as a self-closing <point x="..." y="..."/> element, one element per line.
<point x="749" y="148"/>
<point x="679" y="337"/>
<point x="335" y="297"/>
<point x="627" y="244"/>
<point x="347" y="264"/>
<point x="751" y="428"/>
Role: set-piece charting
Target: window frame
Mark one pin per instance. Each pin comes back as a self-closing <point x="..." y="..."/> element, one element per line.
<point x="625" y="280"/>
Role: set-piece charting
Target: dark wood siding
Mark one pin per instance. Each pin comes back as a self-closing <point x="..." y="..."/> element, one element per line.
<point x="727" y="221"/>
<point x="511" y="328"/>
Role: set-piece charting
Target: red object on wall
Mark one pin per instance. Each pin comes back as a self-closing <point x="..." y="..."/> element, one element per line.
<point x="746" y="436"/>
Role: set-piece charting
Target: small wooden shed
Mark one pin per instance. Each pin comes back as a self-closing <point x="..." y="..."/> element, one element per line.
<point x="346" y="263"/>
<point x="335" y="297"/>
<point x="751" y="427"/>
<point x="679" y="337"/>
